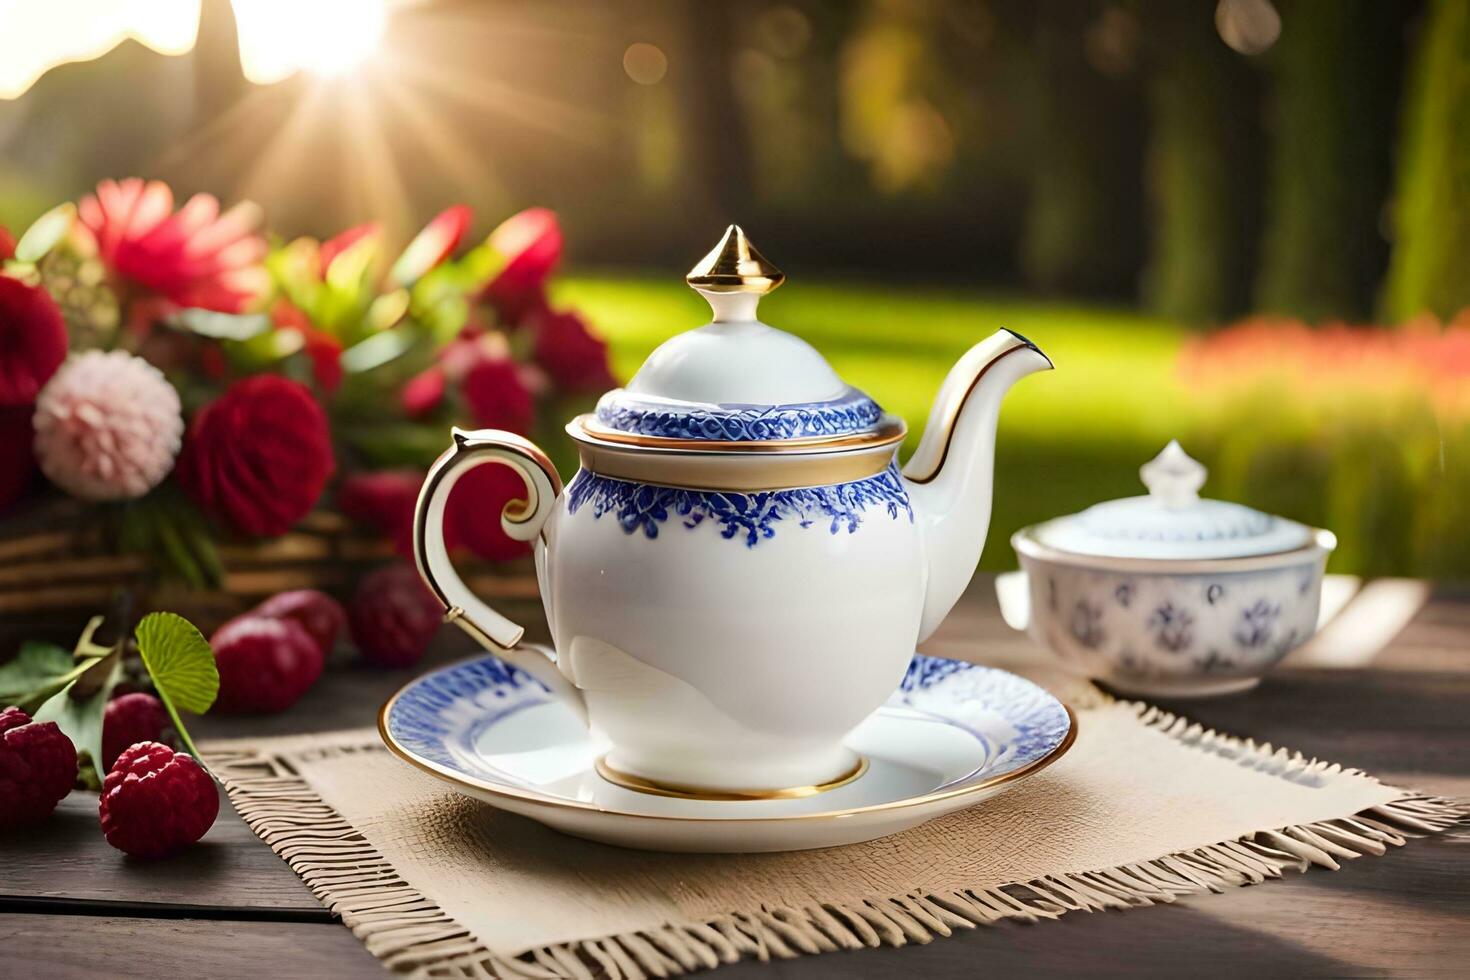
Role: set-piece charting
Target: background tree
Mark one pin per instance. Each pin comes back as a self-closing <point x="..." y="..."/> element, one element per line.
<point x="1431" y="217"/>
<point x="1334" y="93"/>
<point x="1082" y="231"/>
<point x="1204" y="166"/>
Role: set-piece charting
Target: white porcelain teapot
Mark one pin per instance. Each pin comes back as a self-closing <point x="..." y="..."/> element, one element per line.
<point x="738" y="573"/>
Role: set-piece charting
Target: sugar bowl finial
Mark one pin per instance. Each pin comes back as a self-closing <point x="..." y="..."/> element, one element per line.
<point x="1173" y="477"/>
<point x="735" y="266"/>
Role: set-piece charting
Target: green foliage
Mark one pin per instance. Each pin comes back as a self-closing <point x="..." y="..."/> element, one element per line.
<point x="72" y="689"/>
<point x="181" y="664"/>
<point x="1427" y="271"/>
<point x="45" y="233"/>
<point x="79" y="708"/>
<point x="36" y="672"/>
<point x="169" y="531"/>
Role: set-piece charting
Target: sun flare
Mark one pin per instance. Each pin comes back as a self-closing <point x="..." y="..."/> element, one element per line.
<point x="326" y="38"/>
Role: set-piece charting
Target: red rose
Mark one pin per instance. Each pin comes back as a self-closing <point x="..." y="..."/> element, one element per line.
<point x="497" y="396"/>
<point x="423" y="392"/>
<point x="258" y="457"/>
<point x="575" y="357"/>
<point x="472" y="516"/>
<point x="7" y="244"/>
<point x="32" y="340"/>
<point x="530" y="244"/>
<point x="17" y="460"/>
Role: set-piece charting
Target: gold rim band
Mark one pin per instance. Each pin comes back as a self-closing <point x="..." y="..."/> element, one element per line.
<point x="890" y="430"/>
<point x="748" y="474"/>
<point x="682" y="792"/>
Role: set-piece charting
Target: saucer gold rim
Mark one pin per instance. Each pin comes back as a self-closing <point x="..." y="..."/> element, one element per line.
<point x="460" y="779"/>
<point x="654" y="787"/>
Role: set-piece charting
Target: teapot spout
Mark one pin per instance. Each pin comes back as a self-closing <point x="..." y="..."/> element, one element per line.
<point x="950" y="475"/>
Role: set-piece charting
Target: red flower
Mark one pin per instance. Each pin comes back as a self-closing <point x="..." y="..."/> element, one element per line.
<point x="530" y="245"/>
<point x="7" y="244"/>
<point x="195" y="256"/>
<point x="325" y="353"/>
<point x="322" y="349"/>
<point x="472" y="517"/>
<point x="32" y="340"/>
<point x="333" y="247"/>
<point x="433" y="245"/>
<point x="497" y="396"/>
<point x="423" y="392"/>
<point x="258" y="457"/>
<point x="17" y="461"/>
<point x="575" y="357"/>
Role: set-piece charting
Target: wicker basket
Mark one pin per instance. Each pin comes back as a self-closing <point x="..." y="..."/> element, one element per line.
<point x="56" y="570"/>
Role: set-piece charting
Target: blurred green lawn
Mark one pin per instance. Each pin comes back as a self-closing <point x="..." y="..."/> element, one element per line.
<point x="1068" y="438"/>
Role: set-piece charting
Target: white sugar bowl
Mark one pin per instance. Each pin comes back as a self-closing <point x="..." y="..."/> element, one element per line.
<point x="1168" y="594"/>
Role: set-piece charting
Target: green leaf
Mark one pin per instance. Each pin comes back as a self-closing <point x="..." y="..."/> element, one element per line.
<point x="45" y="233"/>
<point x="378" y="349"/>
<point x="179" y="660"/>
<point x="168" y="530"/>
<point x="37" y="671"/>
<point x="386" y="310"/>
<point x="221" y="326"/>
<point x="81" y="717"/>
<point x="181" y="663"/>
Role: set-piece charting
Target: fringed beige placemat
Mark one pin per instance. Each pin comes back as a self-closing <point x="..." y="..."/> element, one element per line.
<point x="1146" y="807"/>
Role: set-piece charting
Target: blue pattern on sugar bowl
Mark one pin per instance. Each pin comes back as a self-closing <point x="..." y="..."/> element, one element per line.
<point x="1169" y="594"/>
<point x="748" y="517"/>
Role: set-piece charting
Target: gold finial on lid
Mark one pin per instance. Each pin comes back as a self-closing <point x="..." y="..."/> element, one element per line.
<point x="734" y="266"/>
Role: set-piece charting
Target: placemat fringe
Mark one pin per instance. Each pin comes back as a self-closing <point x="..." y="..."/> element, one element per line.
<point x="412" y="935"/>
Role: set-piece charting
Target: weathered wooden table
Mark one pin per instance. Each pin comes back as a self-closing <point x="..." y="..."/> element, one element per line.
<point x="71" y="906"/>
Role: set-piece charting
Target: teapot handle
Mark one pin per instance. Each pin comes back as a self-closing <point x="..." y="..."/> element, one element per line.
<point x="520" y="519"/>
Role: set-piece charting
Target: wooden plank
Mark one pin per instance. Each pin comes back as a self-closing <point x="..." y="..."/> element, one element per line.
<point x="43" y="947"/>
<point x="1375" y="917"/>
<point x="1390" y="916"/>
<point x="67" y="859"/>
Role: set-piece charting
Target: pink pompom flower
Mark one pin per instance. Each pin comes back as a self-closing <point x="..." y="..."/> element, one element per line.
<point x="107" y="426"/>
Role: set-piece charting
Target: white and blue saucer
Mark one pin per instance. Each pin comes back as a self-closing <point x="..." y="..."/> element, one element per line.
<point x="951" y="735"/>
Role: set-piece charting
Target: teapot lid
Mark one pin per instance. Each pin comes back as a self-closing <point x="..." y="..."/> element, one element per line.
<point x="736" y="379"/>
<point x="1173" y="521"/>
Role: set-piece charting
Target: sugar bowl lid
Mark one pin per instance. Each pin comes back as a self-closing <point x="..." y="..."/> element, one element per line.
<point x="736" y="381"/>
<point x="1173" y="521"/>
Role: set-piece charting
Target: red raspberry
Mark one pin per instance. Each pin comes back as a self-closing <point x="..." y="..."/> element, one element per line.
<point x="156" y="801"/>
<point x="38" y="765"/>
<point x="318" y="613"/>
<point x="265" y="665"/>
<point x="394" y="616"/>
<point x="128" y="720"/>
